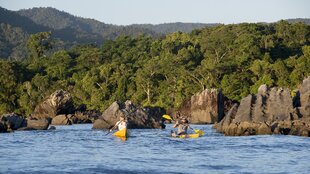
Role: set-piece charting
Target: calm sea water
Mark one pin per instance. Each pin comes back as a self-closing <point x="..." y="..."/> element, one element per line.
<point x="78" y="149"/>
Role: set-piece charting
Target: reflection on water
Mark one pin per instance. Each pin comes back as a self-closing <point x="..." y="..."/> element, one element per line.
<point x="78" y="149"/>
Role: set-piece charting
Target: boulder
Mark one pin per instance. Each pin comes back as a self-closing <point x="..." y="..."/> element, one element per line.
<point x="13" y="121"/>
<point x="10" y="122"/>
<point x="304" y="93"/>
<point x="60" y="102"/>
<point x="41" y="124"/>
<point x="61" y="120"/>
<point x="207" y="107"/>
<point x="101" y="124"/>
<point x="138" y="117"/>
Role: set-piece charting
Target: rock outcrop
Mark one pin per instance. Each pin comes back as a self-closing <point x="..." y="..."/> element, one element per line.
<point x="138" y="117"/>
<point x="304" y="97"/>
<point x="11" y="122"/>
<point x="60" y="102"/>
<point x="206" y="107"/>
<point x="61" y="120"/>
<point x="41" y="124"/>
<point x="270" y="111"/>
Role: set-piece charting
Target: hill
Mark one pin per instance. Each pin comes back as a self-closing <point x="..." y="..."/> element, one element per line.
<point x="69" y="30"/>
<point x="303" y="20"/>
<point x="16" y="26"/>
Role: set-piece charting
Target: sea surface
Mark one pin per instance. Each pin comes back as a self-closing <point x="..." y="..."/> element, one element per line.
<point x="79" y="149"/>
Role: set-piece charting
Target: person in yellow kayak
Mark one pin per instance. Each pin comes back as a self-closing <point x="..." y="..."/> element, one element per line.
<point x="121" y="124"/>
<point x="182" y="127"/>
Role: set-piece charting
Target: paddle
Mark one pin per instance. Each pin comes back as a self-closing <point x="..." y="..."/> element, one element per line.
<point x="108" y="133"/>
<point x="113" y="128"/>
<point x="197" y="131"/>
<point x="167" y="117"/>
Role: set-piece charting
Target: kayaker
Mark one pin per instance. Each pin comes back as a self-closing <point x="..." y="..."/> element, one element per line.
<point x="182" y="127"/>
<point x="121" y="124"/>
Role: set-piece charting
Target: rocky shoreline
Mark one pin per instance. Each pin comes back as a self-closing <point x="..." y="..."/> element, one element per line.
<point x="270" y="111"/>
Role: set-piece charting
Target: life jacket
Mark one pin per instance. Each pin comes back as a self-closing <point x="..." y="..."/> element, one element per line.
<point x="182" y="129"/>
<point x="121" y="125"/>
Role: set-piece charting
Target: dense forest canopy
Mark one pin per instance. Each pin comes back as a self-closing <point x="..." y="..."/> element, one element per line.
<point x="158" y="71"/>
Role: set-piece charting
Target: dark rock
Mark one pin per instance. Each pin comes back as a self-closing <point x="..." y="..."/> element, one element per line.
<point x="138" y="117"/>
<point x="3" y="127"/>
<point x="61" y="120"/>
<point x="14" y="121"/>
<point x="52" y="128"/>
<point x="222" y="126"/>
<point x="60" y="102"/>
<point x="85" y="117"/>
<point x="228" y="104"/>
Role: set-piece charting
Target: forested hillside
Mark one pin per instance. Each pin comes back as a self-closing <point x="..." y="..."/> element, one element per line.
<point x="69" y="30"/>
<point x="158" y="71"/>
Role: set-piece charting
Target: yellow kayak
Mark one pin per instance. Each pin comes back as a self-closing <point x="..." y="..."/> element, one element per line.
<point x="122" y="134"/>
<point x="186" y="136"/>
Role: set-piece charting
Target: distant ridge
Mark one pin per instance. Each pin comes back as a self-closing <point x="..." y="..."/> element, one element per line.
<point x="16" y="26"/>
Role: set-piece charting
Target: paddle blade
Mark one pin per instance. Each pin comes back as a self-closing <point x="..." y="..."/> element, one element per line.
<point x="200" y="132"/>
<point x="167" y="117"/>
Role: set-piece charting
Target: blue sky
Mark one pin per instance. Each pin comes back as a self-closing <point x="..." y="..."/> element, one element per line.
<point x="124" y="12"/>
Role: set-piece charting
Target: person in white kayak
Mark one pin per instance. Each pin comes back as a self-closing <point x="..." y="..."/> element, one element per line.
<point x="121" y="124"/>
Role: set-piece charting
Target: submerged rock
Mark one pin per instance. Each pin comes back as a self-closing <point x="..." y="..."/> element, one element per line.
<point x="52" y="128"/>
<point x="138" y="117"/>
<point x="270" y="111"/>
